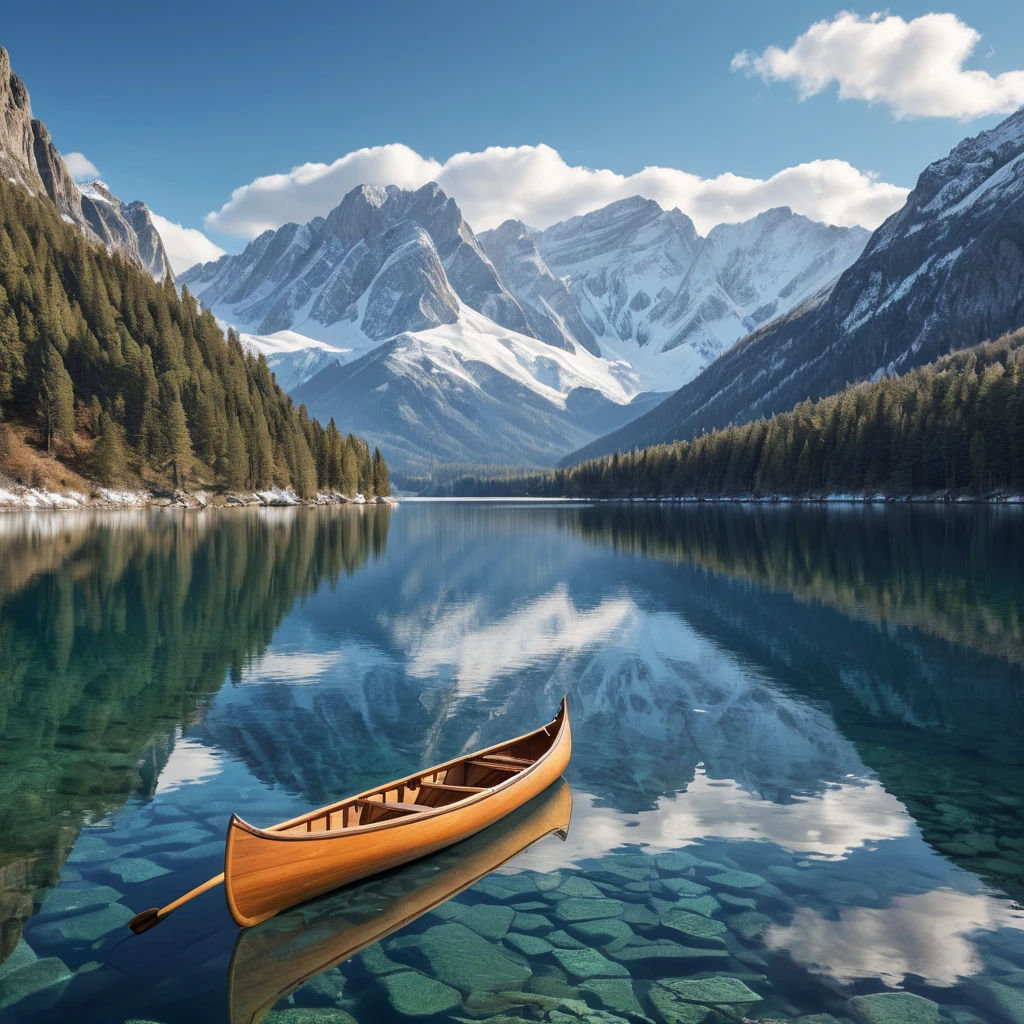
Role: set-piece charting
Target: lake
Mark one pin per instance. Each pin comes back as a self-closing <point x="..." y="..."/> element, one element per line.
<point x="796" y="793"/>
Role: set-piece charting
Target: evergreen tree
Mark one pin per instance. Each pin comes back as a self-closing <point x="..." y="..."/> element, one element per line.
<point x="56" y="398"/>
<point x="178" y="443"/>
<point x="110" y="453"/>
<point x="381" y="481"/>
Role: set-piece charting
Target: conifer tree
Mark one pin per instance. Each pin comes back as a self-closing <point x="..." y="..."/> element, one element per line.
<point x="381" y="480"/>
<point x="349" y="475"/>
<point x="56" y="398"/>
<point x="177" y="440"/>
<point x="110" y="452"/>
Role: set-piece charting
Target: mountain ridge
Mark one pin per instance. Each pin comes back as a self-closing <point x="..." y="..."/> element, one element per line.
<point x="945" y="271"/>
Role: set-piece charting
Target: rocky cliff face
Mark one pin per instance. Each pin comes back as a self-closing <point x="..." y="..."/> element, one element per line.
<point x="656" y="293"/>
<point x="944" y="272"/>
<point x="29" y="156"/>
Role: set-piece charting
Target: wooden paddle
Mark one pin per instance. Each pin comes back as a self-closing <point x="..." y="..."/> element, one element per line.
<point x="151" y="918"/>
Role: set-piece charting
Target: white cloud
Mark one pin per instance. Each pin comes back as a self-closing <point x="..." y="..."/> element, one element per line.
<point x="534" y="184"/>
<point x="80" y="167"/>
<point x="185" y="246"/>
<point x="916" y="67"/>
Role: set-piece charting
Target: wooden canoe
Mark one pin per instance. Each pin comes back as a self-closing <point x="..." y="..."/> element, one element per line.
<point x="275" y="958"/>
<point x="268" y="870"/>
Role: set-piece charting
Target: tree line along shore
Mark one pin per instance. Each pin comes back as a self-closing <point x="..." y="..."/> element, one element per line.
<point x="109" y="377"/>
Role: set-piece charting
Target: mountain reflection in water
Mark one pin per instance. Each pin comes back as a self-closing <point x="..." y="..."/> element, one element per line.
<point x="825" y="705"/>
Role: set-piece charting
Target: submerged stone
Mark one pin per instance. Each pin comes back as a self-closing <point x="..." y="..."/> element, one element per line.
<point x="606" y="929"/>
<point x="506" y="887"/>
<point x="685" y="886"/>
<point x="676" y="861"/>
<point x="750" y="925"/>
<point x="588" y="963"/>
<point x="737" y="901"/>
<point x="737" y="880"/>
<point x="1001" y="999"/>
<point x="415" y="995"/>
<point x="65" y="900"/>
<point x="588" y="909"/>
<point x="613" y="994"/>
<point x="664" y="949"/>
<point x="309" y="1015"/>
<point x="85" y="927"/>
<point x="706" y="906"/>
<point x="33" y="977"/>
<point x="693" y="925"/>
<point x="528" y="945"/>
<point x="574" y="885"/>
<point x="674" y="1010"/>
<point x="177" y="834"/>
<point x="637" y="915"/>
<point x="894" y="1008"/>
<point x="488" y="920"/>
<point x="461" y="958"/>
<point x="448" y="911"/>
<point x="563" y="940"/>
<point x="532" y="923"/>
<point x="717" y="991"/>
<point x="377" y="962"/>
<point x="93" y="850"/>
<point x="135" y="869"/>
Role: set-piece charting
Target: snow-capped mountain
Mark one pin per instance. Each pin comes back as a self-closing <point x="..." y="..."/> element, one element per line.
<point x="944" y="272"/>
<point x="657" y="294"/>
<point x="28" y="156"/>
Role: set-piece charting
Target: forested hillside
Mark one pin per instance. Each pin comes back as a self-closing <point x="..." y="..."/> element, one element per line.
<point x="124" y="379"/>
<point x="955" y="426"/>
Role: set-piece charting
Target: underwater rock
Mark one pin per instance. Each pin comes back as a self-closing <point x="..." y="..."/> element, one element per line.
<point x="637" y="915"/>
<point x="614" y="994"/>
<point x="574" y="885"/>
<point x="749" y="925"/>
<point x="737" y="901"/>
<point x="506" y="887"/>
<point x="64" y="900"/>
<point x="685" y="886"/>
<point x="309" y="1015"/>
<point x="488" y="920"/>
<point x="461" y="958"/>
<point x="532" y="923"/>
<point x="1004" y="1000"/>
<point x="737" y="880"/>
<point x="377" y="962"/>
<point x="85" y="927"/>
<point x="676" y="861"/>
<point x="663" y="949"/>
<point x="596" y="933"/>
<point x="414" y="994"/>
<point x="30" y="977"/>
<point x="588" y="963"/>
<point x="703" y="929"/>
<point x="720" y="990"/>
<point x="136" y="869"/>
<point x="529" y="945"/>
<point x="563" y="940"/>
<point x="177" y="834"/>
<point x="894" y="1008"/>
<point x="706" y="906"/>
<point x="93" y="850"/>
<point x="574" y="909"/>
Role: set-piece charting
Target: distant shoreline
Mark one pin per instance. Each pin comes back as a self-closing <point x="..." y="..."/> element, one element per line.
<point x="34" y="499"/>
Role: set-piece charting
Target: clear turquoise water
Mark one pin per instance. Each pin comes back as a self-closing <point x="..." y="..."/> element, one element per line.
<point x="797" y="783"/>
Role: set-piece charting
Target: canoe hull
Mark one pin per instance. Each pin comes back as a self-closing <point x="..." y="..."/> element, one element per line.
<point x="266" y="872"/>
<point x="274" y="959"/>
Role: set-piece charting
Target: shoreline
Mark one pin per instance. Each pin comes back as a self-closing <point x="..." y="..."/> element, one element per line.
<point x="830" y="499"/>
<point x="18" y="498"/>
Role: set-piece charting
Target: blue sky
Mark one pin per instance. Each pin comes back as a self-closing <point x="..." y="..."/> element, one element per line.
<point x="180" y="104"/>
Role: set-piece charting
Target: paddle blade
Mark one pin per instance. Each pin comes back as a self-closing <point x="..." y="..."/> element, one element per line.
<point x="147" y="919"/>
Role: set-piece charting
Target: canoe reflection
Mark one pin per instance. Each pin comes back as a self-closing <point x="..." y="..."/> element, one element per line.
<point x="276" y="957"/>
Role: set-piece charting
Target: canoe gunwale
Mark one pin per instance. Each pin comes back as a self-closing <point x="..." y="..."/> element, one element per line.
<point x="561" y="718"/>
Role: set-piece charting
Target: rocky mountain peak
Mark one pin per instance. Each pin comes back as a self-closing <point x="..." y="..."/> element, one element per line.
<point x="29" y="155"/>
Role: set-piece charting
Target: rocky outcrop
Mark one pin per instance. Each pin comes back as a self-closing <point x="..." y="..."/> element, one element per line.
<point x="29" y="156"/>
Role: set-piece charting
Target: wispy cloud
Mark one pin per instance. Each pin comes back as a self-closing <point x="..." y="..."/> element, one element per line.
<point x="80" y="167"/>
<point x="915" y="67"/>
<point x="185" y="246"/>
